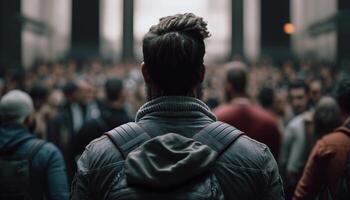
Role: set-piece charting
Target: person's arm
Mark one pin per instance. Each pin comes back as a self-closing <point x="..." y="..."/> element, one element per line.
<point x="80" y="184"/>
<point x="313" y="175"/>
<point x="56" y="177"/>
<point x="275" y="140"/>
<point x="274" y="188"/>
<point x="286" y="147"/>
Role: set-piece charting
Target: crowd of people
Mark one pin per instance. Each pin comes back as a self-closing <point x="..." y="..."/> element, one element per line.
<point x="297" y="109"/>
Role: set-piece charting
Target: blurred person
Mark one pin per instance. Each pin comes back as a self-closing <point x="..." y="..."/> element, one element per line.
<point x="210" y="95"/>
<point x="15" y="79"/>
<point x="282" y="109"/>
<point x="298" y="95"/>
<point x="327" y="74"/>
<point x="85" y="98"/>
<point x="274" y="102"/>
<point x="113" y="113"/>
<point x="288" y="73"/>
<point x="296" y="146"/>
<point x="266" y="98"/>
<point x="61" y="125"/>
<point x="305" y="70"/>
<point x="315" y="91"/>
<point x="327" y="116"/>
<point x="40" y="95"/>
<point x="241" y="112"/>
<point x="173" y="50"/>
<point x="44" y="177"/>
<point x="327" y="160"/>
<point x="79" y="108"/>
<point x="297" y="135"/>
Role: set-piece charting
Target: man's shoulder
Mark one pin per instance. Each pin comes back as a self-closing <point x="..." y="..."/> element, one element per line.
<point x="224" y="108"/>
<point x="228" y="112"/>
<point x="42" y="153"/>
<point x="247" y="153"/>
<point x="99" y="153"/>
<point x="259" y="115"/>
<point x="102" y="152"/>
<point x="335" y="137"/>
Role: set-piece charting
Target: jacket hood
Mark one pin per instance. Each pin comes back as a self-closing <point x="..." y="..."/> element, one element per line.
<point x="11" y="135"/>
<point x="167" y="161"/>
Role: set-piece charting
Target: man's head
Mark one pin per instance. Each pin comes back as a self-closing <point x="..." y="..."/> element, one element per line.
<point x="113" y="89"/>
<point x="15" y="107"/>
<point x="39" y="94"/>
<point x="173" y="52"/>
<point x="298" y="91"/>
<point x="315" y="90"/>
<point x="343" y="96"/>
<point x="266" y="97"/>
<point x="236" y="81"/>
<point x="69" y="90"/>
<point x="85" y="92"/>
<point x="326" y="116"/>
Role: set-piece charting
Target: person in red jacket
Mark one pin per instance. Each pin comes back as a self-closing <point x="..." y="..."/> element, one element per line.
<point x="327" y="160"/>
<point x="242" y="113"/>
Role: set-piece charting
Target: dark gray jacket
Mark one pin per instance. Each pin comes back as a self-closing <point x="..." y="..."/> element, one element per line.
<point x="247" y="170"/>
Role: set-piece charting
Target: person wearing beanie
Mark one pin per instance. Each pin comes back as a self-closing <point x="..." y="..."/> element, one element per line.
<point x="47" y="177"/>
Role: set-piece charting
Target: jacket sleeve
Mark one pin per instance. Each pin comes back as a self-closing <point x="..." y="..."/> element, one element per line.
<point x="56" y="179"/>
<point x="274" y="186"/>
<point x="80" y="184"/>
<point x="313" y="175"/>
<point x="97" y="167"/>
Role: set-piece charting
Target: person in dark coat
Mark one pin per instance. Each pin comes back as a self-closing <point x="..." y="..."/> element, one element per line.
<point x="47" y="169"/>
<point x="113" y="113"/>
<point x="80" y="107"/>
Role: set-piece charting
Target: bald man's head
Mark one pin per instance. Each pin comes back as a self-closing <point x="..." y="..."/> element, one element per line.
<point x="15" y="106"/>
<point x="327" y="116"/>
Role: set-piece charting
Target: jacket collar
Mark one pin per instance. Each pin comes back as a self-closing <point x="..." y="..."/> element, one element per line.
<point x="345" y="128"/>
<point x="174" y="106"/>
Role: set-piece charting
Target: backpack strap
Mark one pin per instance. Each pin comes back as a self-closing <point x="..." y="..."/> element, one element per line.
<point x="218" y="136"/>
<point x="127" y="137"/>
<point x="36" y="146"/>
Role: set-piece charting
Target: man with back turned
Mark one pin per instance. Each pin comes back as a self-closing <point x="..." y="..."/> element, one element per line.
<point x="173" y="70"/>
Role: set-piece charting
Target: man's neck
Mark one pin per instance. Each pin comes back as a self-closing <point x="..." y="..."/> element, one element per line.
<point x="240" y="98"/>
<point x="153" y="93"/>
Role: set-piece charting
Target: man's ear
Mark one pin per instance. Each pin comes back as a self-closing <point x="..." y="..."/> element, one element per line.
<point x="202" y="73"/>
<point x="145" y="73"/>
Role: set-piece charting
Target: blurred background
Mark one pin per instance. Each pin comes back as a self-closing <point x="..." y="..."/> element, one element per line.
<point x="48" y="30"/>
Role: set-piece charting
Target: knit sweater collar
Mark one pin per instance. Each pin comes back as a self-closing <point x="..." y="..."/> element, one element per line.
<point x="173" y="105"/>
